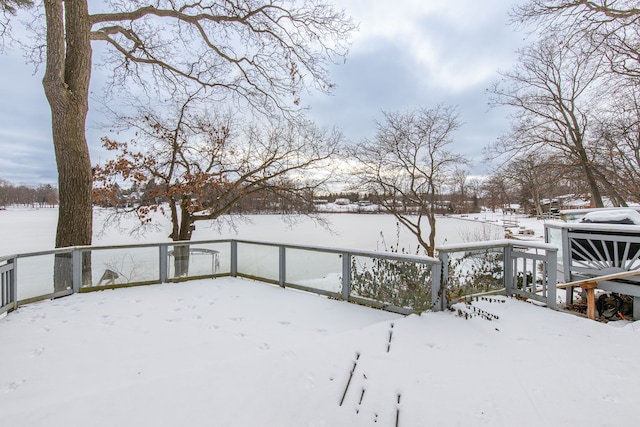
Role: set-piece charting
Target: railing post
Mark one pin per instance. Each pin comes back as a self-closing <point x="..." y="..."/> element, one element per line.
<point x="346" y="275"/>
<point x="234" y="258"/>
<point x="13" y="285"/>
<point x="566" y="264"/>
<point x="552" y="277"/>
<point x="163" y="253"/>
<point x="566" y="255"/>
<point x="508" y="269"/>
<point x="76" y="272"/>
<point x="439" y="277"/>
<point x="282" y="268"/>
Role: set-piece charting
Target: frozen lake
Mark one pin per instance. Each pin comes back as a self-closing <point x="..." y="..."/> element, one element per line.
<point x="27" y="230"/>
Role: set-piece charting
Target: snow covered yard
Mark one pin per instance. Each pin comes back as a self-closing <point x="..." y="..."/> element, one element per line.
<point x="232" y="352"/>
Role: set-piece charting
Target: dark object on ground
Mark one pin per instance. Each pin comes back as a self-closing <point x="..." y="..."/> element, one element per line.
<point x="614" y="306"/>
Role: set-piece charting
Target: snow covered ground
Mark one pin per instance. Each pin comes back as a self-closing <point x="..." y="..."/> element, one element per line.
<point x="231" y="352"/>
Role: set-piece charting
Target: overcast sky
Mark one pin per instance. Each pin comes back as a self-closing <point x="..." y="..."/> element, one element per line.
<point x="407" y="54"/>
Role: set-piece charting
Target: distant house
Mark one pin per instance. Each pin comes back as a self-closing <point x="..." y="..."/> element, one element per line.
<point x="577" y="204"/>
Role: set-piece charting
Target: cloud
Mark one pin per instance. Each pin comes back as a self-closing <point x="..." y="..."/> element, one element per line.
<point x="414" y="54"/>
<point x="407" y="54"/>
<point x="458" y="44"/>
<point x="25" y="125"/>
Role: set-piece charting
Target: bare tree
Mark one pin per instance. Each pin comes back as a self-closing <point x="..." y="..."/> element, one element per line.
<point x="8" y="9"/>
<point x="408" y="163"/>
<point x="553" y="90"/>
<point x="618" y="146"/>
<point x="262" y="54"/>
<point x="458" y="192"/>
<point x="43" y="195"/>
<point x="612" y="27"/>
<point x="578" y="10"/>
<point x="474" y="190"/>
<point x="201" y="164"/>
<point x="536" y="176"/>
<point x="497" y="191"/>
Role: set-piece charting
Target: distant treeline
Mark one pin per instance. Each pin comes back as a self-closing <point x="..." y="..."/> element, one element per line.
<point x="44" y="195"/>
<point x="269" y="202"/>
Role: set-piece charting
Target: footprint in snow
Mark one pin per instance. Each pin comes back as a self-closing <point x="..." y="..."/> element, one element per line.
<point x="37" y="352"/>
<point x="13" y="385"/>
<point x="37" y="317"/>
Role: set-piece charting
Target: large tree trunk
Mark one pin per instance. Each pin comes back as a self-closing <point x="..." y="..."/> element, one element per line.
<point x="432" y="233"/>
<point x="592" y="182"/>
<point x="182" y="230"/>
<point x="66" y="85"/>
<point x="589" y="175"/>
<point x="616" y="198"/>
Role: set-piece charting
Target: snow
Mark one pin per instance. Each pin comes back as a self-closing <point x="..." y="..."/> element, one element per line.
<point x="233" y="352"/>
<point x="31" y="230"/>
<point x="621" y="216"/>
